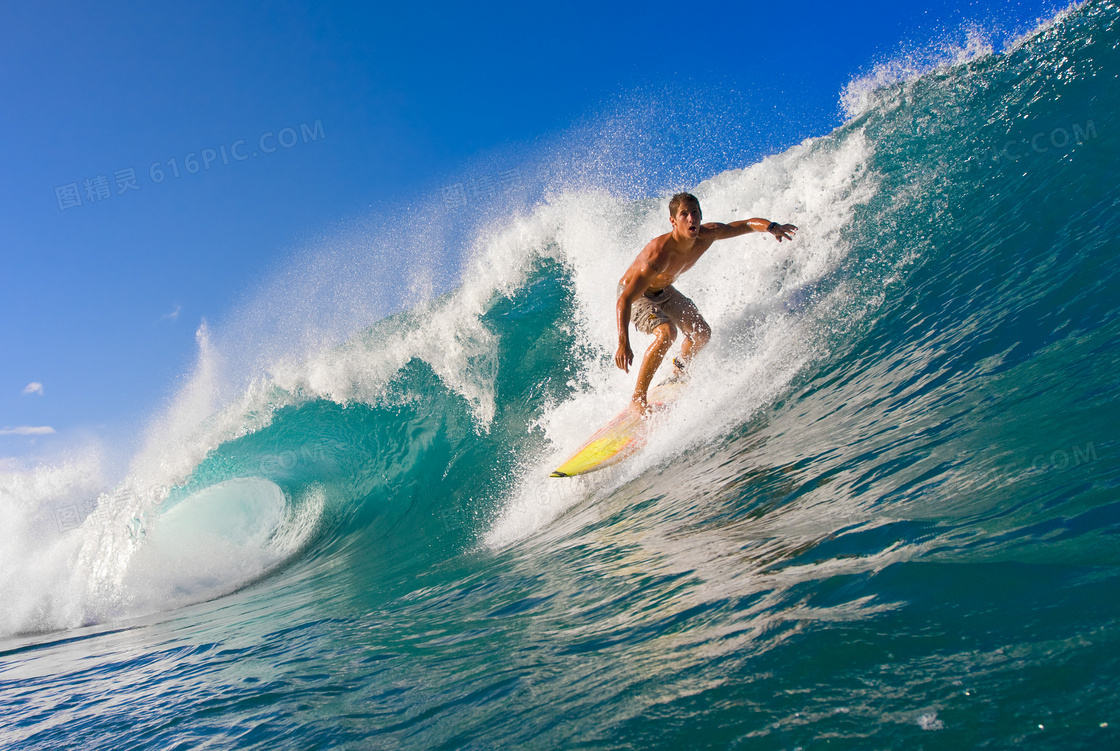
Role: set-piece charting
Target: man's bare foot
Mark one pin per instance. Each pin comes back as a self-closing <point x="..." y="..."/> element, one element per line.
<point x="680" y="371"/>
<point x="679" y="374"/>
<point x="641" y="406"/>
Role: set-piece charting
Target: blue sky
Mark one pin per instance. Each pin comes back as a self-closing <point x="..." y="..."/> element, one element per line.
<point x="286" y="120"/>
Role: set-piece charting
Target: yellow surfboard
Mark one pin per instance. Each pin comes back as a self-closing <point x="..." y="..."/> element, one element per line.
<point x="620" y="438"/>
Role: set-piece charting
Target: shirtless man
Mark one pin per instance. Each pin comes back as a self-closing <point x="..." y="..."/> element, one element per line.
<point x="646" y="294"/>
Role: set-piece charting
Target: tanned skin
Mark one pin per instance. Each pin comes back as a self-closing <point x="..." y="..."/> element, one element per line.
<point x="658" y="265"/>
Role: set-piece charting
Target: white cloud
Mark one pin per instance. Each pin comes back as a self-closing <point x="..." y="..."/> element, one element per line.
<point x="28" y="430"/>
<point x="33" y="388"/>
<point x="173" y="316"/>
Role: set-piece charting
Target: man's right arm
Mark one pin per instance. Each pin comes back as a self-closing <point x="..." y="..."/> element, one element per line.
<point x="638" y="283"/>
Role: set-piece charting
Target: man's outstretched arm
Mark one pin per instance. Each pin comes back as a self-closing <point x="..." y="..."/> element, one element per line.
<point x="757" y="224"/>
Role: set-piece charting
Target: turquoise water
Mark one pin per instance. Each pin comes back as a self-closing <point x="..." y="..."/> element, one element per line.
<point x="885" y="515"/>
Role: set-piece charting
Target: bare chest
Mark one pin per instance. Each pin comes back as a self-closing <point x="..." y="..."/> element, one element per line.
<point x="675" y="264"/>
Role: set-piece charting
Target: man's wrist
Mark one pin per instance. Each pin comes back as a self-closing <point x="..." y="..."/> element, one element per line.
<point x="772" y="227"/>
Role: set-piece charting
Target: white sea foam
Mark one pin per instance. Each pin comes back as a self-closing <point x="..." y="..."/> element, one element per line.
<point x="930" y="721"/>
<point x="37" y="560"/>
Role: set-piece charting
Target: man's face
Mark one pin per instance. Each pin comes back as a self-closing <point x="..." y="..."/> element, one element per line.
<point x="687" y="220"/>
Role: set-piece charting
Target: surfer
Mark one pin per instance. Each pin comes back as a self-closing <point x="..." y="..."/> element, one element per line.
<point x="647" y="297"/>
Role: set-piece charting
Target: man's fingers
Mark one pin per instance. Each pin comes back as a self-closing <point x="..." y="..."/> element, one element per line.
<point x="784" y="232"/>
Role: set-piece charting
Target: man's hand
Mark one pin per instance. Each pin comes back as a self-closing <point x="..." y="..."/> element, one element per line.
<point x="783" y="231"/>
<point x="624" y="357"/>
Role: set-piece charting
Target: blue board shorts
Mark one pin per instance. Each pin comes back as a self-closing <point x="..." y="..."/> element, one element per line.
<point x="664" y="306"/>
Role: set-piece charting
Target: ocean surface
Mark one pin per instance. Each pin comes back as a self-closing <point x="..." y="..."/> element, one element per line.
<point x="886" y="514"/>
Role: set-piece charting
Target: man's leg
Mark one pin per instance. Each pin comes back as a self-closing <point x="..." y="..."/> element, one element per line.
<point x="663" y="337"/>
<point x="697" y="332"/>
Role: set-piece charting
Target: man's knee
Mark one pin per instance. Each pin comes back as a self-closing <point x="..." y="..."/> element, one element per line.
<point x="666" y="333"/>
<point x="701" y="332"/>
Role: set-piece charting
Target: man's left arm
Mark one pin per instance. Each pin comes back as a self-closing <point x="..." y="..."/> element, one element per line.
<point x="757" y="224"/>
